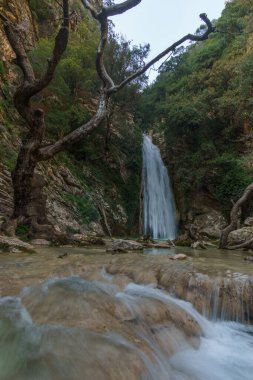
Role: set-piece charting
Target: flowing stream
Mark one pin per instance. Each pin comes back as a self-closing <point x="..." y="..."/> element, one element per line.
<point x="73" y="329"/>
<point x="84" y="316"/>
<point x="158" y="203"/>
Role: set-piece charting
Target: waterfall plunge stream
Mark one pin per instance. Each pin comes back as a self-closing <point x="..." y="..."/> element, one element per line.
<point x="72" y="329"/>
<point x="98" y="325"/>
<point x="159" y="206"/>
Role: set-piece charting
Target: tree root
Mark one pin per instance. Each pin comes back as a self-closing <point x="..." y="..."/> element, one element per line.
<point x="245" y="244"/>
<point x="235" y="216"/>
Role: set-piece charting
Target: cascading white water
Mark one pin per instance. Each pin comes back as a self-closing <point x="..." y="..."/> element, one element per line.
<point x="159" y="206"/>
<point x="225" y="351"/>
<point x="150" y="335"/>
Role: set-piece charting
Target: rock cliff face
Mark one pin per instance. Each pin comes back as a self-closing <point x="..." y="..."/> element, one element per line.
<point x="20" y="13"/>
<point x="77" y="200"/>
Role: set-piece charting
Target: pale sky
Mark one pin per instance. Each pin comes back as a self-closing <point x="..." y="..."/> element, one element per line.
<point x="165" y="22"/>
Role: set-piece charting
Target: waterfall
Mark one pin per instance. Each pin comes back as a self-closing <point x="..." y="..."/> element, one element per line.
<point x="159" y="206"/>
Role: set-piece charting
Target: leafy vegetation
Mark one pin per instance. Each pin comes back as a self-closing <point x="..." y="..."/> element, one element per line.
<point x="202" y="102"/>
<point x="84" y="207"/>
<point x="22" y="232"/>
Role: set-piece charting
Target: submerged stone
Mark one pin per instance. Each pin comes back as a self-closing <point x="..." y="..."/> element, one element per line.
<point x="179" y="256"/>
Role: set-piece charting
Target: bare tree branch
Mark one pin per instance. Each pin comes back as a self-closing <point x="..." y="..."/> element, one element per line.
<point x="102" y="17"/>
<point x="120" y="8"/>
<point x="92" y="10"/>
<point x="188" y="37"/>
<point x="49" y="151"/>
<point x="101" y="70"/>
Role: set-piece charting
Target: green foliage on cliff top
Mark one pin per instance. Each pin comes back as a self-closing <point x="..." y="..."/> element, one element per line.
<point x="202" y="100"/>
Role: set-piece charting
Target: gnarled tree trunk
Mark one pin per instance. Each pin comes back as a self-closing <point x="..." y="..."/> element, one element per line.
<point x="29" y="200"/>
<point x="235" y="216"/>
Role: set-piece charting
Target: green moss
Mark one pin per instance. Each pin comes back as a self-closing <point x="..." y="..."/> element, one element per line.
<point x="183" y="243"/>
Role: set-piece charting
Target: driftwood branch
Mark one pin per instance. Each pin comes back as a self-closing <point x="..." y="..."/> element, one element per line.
<point x="235" y="215"/>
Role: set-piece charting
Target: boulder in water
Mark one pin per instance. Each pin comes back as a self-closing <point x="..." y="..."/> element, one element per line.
<point x="179" y="256"/>
<point x="248" y="258"/>
<point x="240" y="236"/>
<point x="8" y="244"/>
<point x="121" y="245"/>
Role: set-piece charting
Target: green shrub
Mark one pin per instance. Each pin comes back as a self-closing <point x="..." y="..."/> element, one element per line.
<point x="228" y="180"/>
<point x="84" y="207"/>
<point x="22" y="231"/>
<point x="41" y="9"/>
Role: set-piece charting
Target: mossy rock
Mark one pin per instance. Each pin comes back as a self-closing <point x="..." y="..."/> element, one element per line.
<point x="183" y="243"/>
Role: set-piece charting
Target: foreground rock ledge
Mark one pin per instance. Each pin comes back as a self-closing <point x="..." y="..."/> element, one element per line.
<point x="8" y="244"/>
